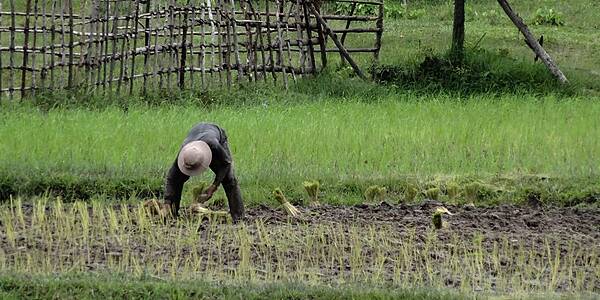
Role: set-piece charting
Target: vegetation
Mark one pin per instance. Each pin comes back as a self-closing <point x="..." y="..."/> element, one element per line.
<point x="104" y="238"/>
<point x="497" y="129"/>
<point x="398" y="141"/>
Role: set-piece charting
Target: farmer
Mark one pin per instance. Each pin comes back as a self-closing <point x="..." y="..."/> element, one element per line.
<point x="204" y="147"/>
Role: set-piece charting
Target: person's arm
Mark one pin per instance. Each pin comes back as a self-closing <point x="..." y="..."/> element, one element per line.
<point x="174" y="186"/>
<point x="222" y="165"/>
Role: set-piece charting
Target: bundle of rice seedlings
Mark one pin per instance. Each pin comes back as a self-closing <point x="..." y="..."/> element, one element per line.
<point x="375" y="193"/>
<point x="437" y="219"/>
<point x="312" y="188"/>
<point x="198" y="194"/>
<point x="410" y="192"/>
<point x="452" y="190"/>
<point x="155" y="207"/>
<point x="432" y="193"/>
<point x="289" y="208"/>
<point x="212" y="215"/>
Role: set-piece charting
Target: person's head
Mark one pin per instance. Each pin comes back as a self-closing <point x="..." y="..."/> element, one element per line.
<point x="194" y="158"/>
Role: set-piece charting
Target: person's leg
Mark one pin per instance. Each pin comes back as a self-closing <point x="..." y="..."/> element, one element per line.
<point x="234" y="196"/>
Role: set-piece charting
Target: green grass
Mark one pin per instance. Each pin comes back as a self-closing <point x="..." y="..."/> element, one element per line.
<point x="342" y="143"/>
<point x="86" y="286"/>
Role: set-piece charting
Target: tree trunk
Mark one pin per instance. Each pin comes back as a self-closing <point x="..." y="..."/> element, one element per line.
<point x="458" y="30"/>
<point x="532" y="42"/>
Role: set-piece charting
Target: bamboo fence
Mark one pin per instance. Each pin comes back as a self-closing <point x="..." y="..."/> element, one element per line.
<point x="131" y="46"/>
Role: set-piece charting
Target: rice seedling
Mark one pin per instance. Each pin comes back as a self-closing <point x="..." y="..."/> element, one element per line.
<point x="312" y="189"/>
<point x="287" y="206"/>
<point x="437" y="219"/>
<point x="375" y="193"/>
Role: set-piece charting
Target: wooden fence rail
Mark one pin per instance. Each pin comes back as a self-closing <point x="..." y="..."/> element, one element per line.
<point x="131" y="46"/>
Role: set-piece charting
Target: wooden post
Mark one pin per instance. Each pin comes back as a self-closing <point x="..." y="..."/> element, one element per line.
<point x="343" y="38"/>
<point x="1" y="66"/>
<point x="11" y="59"/>
<point x="136" y="21"/>
<point x="25" y="46"/>
<point x="311" y="50"/>
<point x="458" y="31"/>
<point x="278" y="20"/>
<point x="124" y="49"/>
<point x="235" y="43"/>
<point x="321" y="37"/>
<point x="271" y="59"/>
<point x="379" y="33"/>
<point x="335" y="40"/>
<point x="33" y="63"/>
<point x="147" y="31"/>
<point x="52" y="41"/>
<point x="70" y="76"/>
<point x="537" y="48"/>
<point x="183" y="56"/>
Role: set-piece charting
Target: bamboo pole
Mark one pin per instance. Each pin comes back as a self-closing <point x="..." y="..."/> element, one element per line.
<point x="271" y="60"/>
<point x="240" y="74"/>
<point x="537" y="48"/>
<point x="114" y="45"/>
<point x="228" y="41"/>
<point x="124" y="51"/>
<point x="214" y="32"/>
<point x="70" y="68"/>
<point x="300" y="39"/>
<point x="147" y="31"/>
<point x="311" y="50"/>
<point x="84" y="43"/>
<point x="183" y="53"/>
<point x="92" y="55"/>
<point x="378" y="35"/>
<point x="136" y="21"/>
<point x="287" y="34"/>
<point x="191" y="25"/>
<point x="172" y="54"/>
<point x="280" y="41"/>
<point x="11" y="59"/>
<point x="343" y="38"/>
<point x="1" y="64"/>
<point x="158" y="63"/>
<point x="52" y="40"/>
<point x="202" y="54"/>
<point x="260" y="40"/>
<point x="338" y="44"/>
<point x="105" y="48"/>
<point x="33" y="56"/>
<point x="251" y="49"/>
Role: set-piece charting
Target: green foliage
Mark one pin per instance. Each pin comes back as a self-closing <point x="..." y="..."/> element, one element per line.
<point x="375" y="193"/>
<point x="547" y="16"/>
<point x="480" y="72"/>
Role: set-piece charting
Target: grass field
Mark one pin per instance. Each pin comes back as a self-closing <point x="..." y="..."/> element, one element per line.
<point x="341" y="144"/>
<point x="497" y="132"/>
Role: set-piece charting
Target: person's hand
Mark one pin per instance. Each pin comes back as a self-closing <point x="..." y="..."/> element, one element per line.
<point x="208" y="193"/>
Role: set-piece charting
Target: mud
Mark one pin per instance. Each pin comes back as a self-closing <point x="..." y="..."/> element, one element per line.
<point x="517" y="222"/>
<point x="521" y="242"/>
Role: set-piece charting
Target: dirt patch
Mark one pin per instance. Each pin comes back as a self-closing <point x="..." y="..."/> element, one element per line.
<point x="517" y="221"/>
<point x="502" y="248"/>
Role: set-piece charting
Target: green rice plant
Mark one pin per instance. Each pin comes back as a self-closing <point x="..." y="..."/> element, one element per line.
<point x="312" y="189"/>
<point x="375" y="193"/>
<point x="432" y="193"/>
<point x="287" y="206"/>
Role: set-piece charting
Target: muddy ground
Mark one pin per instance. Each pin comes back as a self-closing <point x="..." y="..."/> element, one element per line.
<point x="528" y="223"/>
<point x="575" y="230"/>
